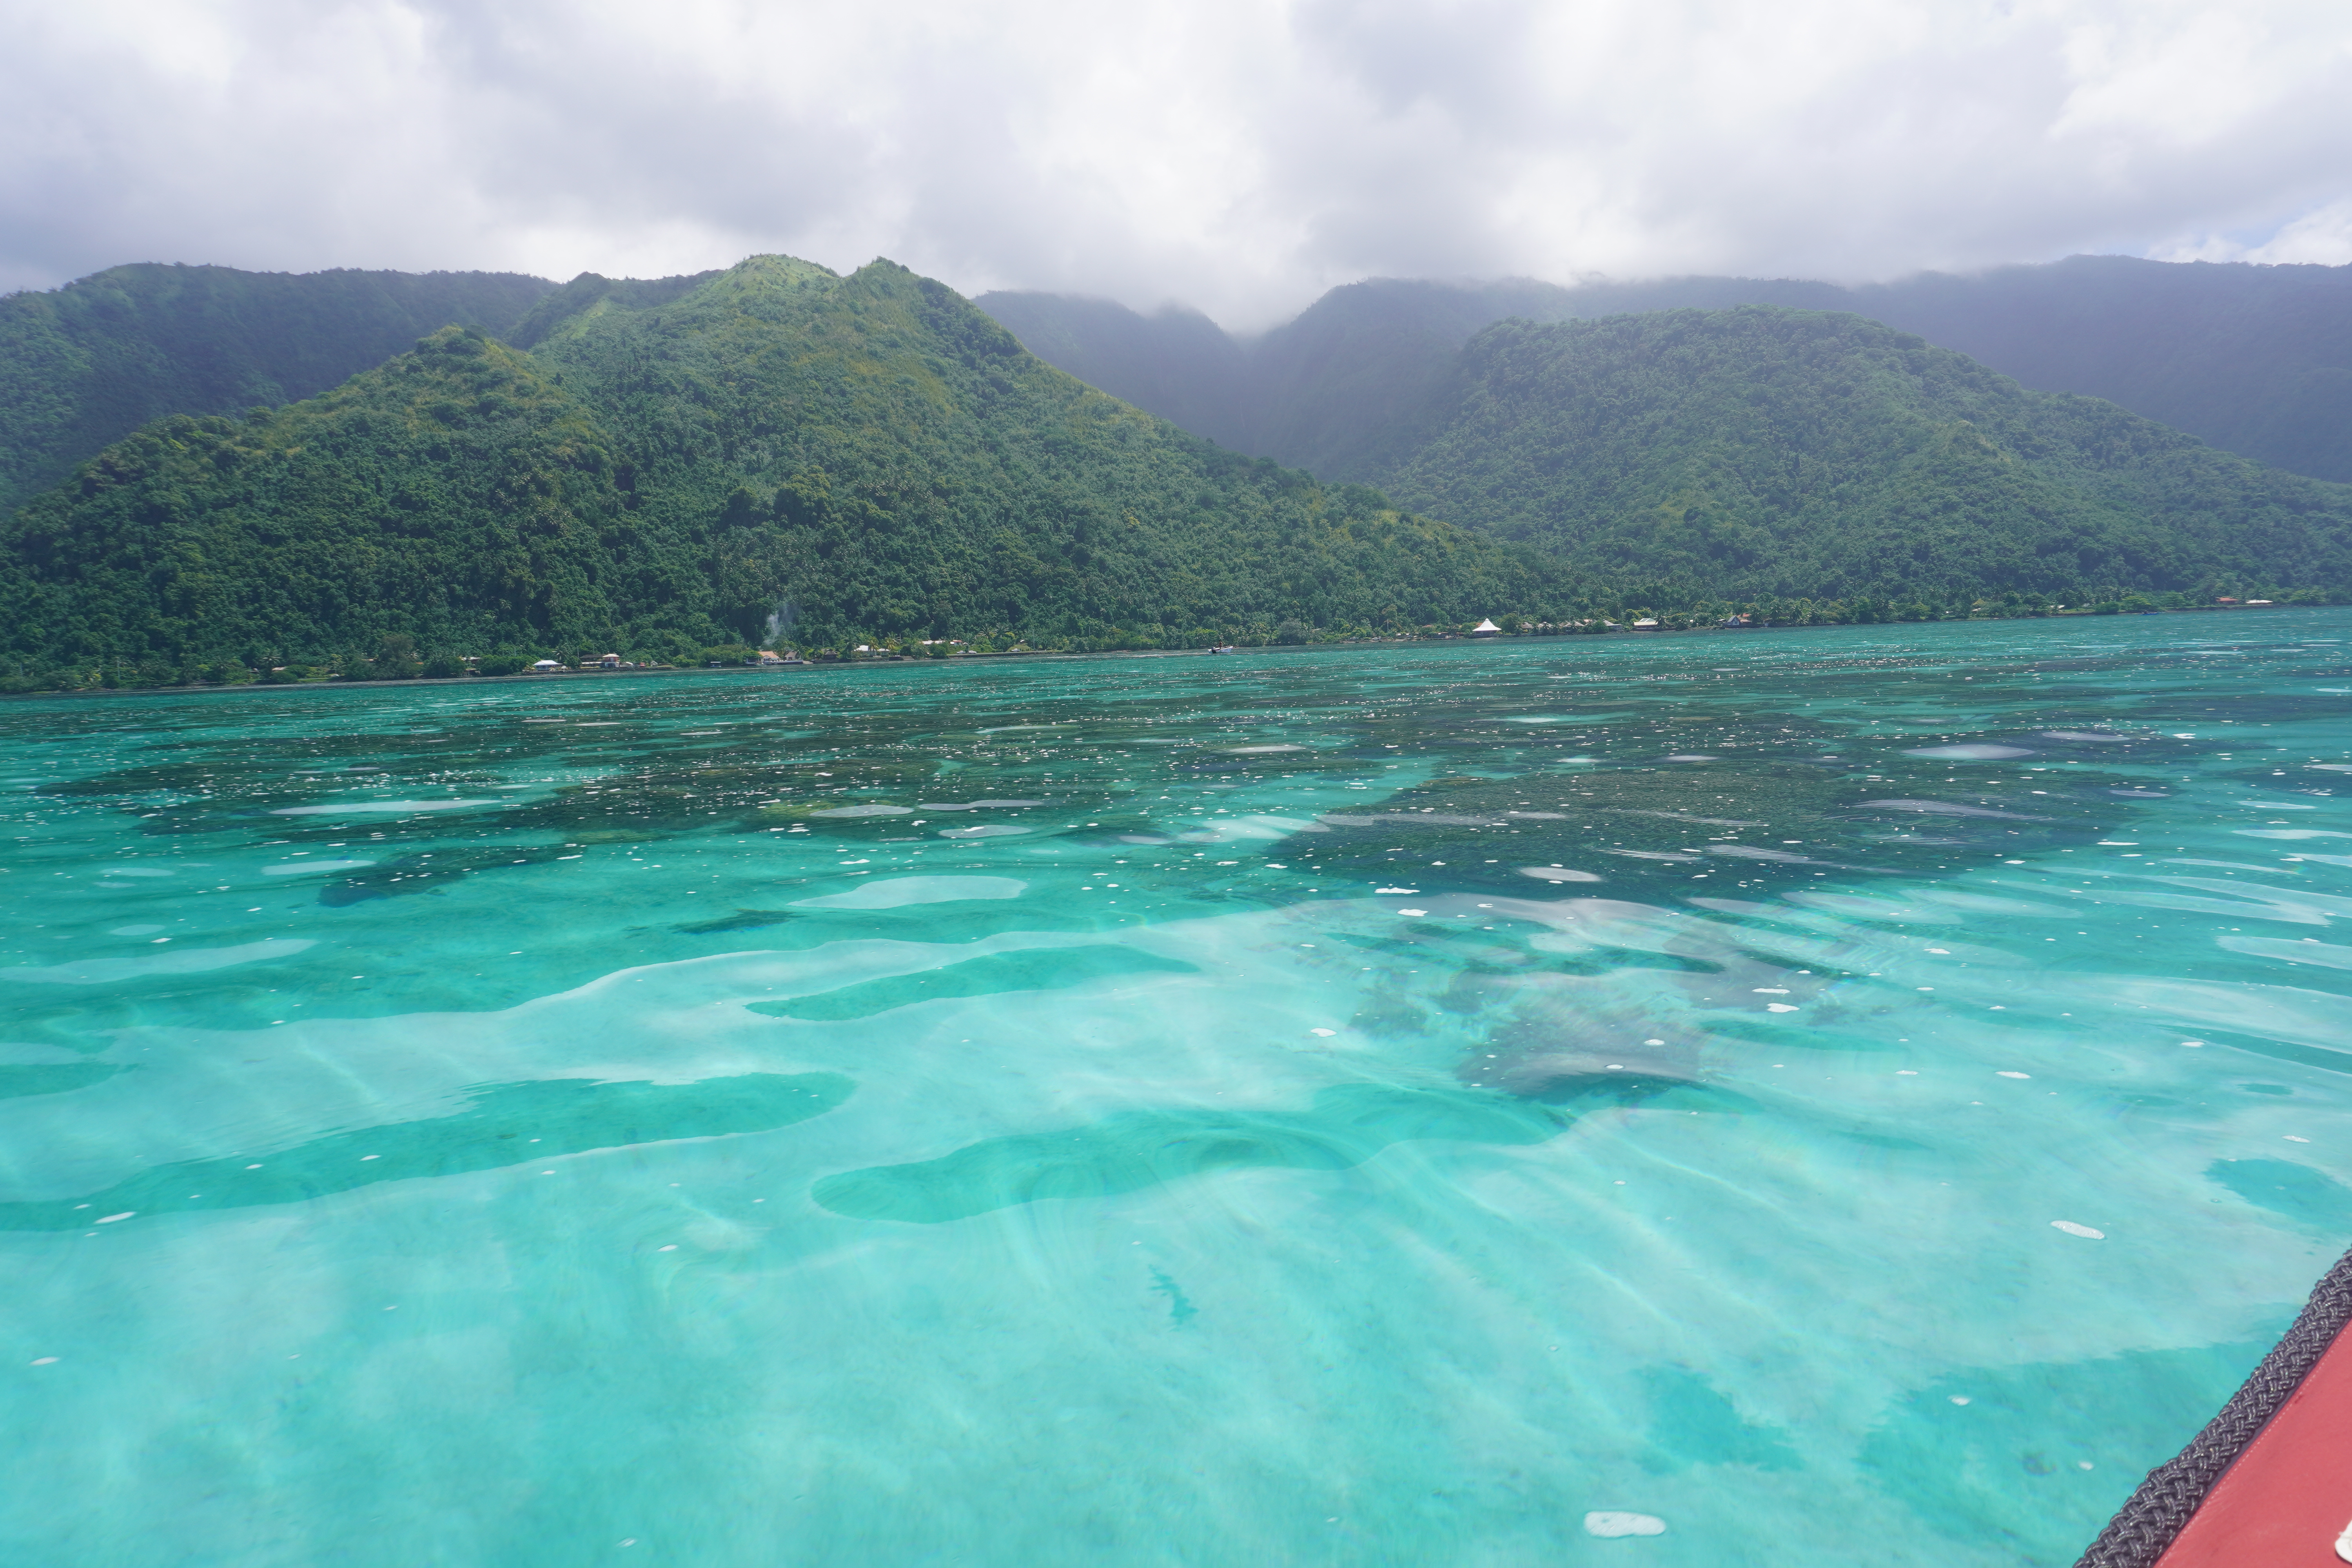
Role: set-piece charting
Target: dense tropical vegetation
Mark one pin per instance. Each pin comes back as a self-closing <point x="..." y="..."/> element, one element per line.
<point x="2254" y="360"/>
<point x="89" y="364"/>
<point x="686" y="469"/>
<point x="1799" y="454"/>
<point x="775" y="451"/>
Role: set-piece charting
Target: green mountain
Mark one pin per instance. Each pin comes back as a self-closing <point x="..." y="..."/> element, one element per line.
<point x="1763" y="452"/>
<point x="1177" y="363"/>
<point x="660" y="467"/>
<point x="2255" y="359"/>
<point x="91" y="363"/>
<point x="1334" y="388"/>
<point x="694" y="462"/>
<point x="1324" y="391"/>
<point x="590" y="291"/>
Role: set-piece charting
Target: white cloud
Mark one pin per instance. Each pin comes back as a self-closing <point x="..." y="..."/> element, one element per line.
<point x="2323" y="236"/>
<point x="1242" y="156"/>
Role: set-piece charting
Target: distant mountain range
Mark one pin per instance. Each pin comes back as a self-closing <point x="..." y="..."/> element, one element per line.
<point x="243" y="469"/>
<point x="2254" y="360"/>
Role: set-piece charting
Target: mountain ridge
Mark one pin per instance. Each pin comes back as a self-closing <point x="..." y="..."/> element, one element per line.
<point x="2255" y="359"/>
<point x="90" y="363"/>
<point x="865" y="455"/>
<point x="1764" y="451"/>
<point x="776" y="450"/>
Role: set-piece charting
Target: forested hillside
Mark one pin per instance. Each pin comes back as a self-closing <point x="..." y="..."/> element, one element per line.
<point x="1763" y="452"/>
<point x="90" y="363"/>
<point x="2255" y="359"/>
<point x="676" y="466"/>
<point x="1177" y="363"/>
<point x="661" y="468"/>
<point x="1324" y="391"/>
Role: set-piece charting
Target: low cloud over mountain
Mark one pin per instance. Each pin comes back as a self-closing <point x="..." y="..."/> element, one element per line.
<point x="1242" y="156"/>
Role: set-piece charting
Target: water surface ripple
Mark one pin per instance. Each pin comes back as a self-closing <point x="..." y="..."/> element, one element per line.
<point x="1862" y="1095"/>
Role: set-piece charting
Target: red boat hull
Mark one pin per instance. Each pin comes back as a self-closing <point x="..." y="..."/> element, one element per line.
<point x="2268" y="1483"/>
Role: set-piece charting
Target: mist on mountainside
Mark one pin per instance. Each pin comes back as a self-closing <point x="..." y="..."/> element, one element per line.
<point x="1176" y="362"/>
<point x="89" y="364"/>
<point x="664" y="464"/>
<point x="2255" y="359"/>
<point x="1763" y="452"/>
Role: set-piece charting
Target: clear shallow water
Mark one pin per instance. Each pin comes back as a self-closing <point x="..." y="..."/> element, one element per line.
<point x="1367" y="1107"/>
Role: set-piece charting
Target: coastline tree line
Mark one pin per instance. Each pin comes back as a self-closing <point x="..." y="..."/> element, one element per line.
<point x="779" y="455"/>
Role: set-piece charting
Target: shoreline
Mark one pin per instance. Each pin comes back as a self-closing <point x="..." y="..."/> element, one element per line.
<point x="812" y="664"/>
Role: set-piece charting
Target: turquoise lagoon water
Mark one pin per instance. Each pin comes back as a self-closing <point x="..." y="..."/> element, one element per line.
<point x="1414" y="1106"/>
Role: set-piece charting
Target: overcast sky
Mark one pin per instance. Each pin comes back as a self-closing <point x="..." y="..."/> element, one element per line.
<point x="1241" y="157"/>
